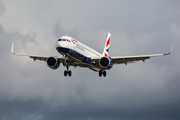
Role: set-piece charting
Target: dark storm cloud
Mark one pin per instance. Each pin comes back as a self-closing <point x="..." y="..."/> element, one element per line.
<point x="20" y="110"/>
<point x="30" y="90"/>
<point x="36" y="110"/>
<point x="115" y="114"/>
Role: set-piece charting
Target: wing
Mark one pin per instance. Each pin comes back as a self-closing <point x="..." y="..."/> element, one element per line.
<point x="71" y="62"/>
<point x="36" y="57"/>
<point x="131" y="59"/>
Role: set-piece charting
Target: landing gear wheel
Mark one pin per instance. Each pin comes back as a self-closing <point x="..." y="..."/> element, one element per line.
<point x="104" y="73"/>
<point x="69" y="73"/>
<point x="100" y="73"/>
<point x="65" y="73"/>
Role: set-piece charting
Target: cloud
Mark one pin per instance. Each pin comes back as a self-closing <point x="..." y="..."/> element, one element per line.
<point x="31" y="90"/>
<point x="2" y="9"/>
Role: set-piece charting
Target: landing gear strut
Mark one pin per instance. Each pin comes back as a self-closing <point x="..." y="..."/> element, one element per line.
<point x="102" y="73"/>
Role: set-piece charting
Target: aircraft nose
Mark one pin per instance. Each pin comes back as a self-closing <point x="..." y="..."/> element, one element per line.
<point x="58" y="44"/>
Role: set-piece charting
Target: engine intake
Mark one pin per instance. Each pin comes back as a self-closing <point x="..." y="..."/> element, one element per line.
<point x="106" y="62"/>
<point x="53" y="62"/>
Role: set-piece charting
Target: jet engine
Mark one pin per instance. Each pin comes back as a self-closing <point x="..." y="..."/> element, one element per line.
<point x="53" y="62"/>
<point x="106" y="63"/>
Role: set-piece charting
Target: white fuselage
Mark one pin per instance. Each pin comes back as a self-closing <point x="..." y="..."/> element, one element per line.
<point x="66" y="45"/>
<point x="69" y="47"/>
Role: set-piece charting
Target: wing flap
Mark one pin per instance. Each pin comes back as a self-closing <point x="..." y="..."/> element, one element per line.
<point x="128" y="59"/>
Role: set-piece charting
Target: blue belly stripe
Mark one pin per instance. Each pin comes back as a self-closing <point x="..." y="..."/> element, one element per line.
<point x="73" y="54"/>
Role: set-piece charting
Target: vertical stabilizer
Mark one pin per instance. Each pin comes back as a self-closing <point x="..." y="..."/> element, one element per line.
<point x="107" y="45"/>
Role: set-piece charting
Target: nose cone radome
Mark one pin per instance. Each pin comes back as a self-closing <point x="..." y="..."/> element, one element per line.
<point x="60" y="44"/>
<point x="57" y="44"/>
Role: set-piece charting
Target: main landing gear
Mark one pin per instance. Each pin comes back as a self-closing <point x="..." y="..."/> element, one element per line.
<point x="102" y="73"/>
<point x="67" y="72"/>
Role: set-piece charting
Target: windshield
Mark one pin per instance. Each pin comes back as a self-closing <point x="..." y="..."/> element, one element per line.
<point x="64" y="40"/>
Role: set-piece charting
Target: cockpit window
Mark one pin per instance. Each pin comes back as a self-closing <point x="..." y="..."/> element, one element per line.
<point x="64" y="40"/>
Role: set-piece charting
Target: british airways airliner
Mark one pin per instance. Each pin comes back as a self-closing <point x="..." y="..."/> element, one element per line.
<point x="76" y="54"/>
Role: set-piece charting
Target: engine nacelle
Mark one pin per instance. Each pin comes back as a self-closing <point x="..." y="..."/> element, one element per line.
<point x="53" y="62"/>
<point x="106" y="63"/>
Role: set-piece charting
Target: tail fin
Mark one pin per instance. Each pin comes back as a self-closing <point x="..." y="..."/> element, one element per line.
<point x="107" y="45"/>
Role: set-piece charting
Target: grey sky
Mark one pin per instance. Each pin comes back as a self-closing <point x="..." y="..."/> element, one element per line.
<point x="32" y="91"/>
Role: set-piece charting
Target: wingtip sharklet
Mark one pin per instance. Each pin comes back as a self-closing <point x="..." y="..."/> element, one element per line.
<point x="172" y="47"/>
<point x="170" y="51"/>
<point x="12" y="48"/>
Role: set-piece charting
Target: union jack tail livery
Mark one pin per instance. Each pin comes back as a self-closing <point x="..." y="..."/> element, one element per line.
<point x="107" y="45"/>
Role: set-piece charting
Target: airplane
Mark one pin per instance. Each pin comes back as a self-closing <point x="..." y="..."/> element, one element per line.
<point x="76" y="54"/>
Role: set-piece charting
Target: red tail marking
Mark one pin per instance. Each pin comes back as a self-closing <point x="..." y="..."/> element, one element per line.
<point x="105" y="54"/>
<point x="107" y="43"/>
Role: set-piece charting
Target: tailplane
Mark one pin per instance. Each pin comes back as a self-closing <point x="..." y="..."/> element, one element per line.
<point x="107" y="45"/>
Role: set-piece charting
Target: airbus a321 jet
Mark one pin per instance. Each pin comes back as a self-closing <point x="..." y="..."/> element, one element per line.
<point x="76" y="54"/>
